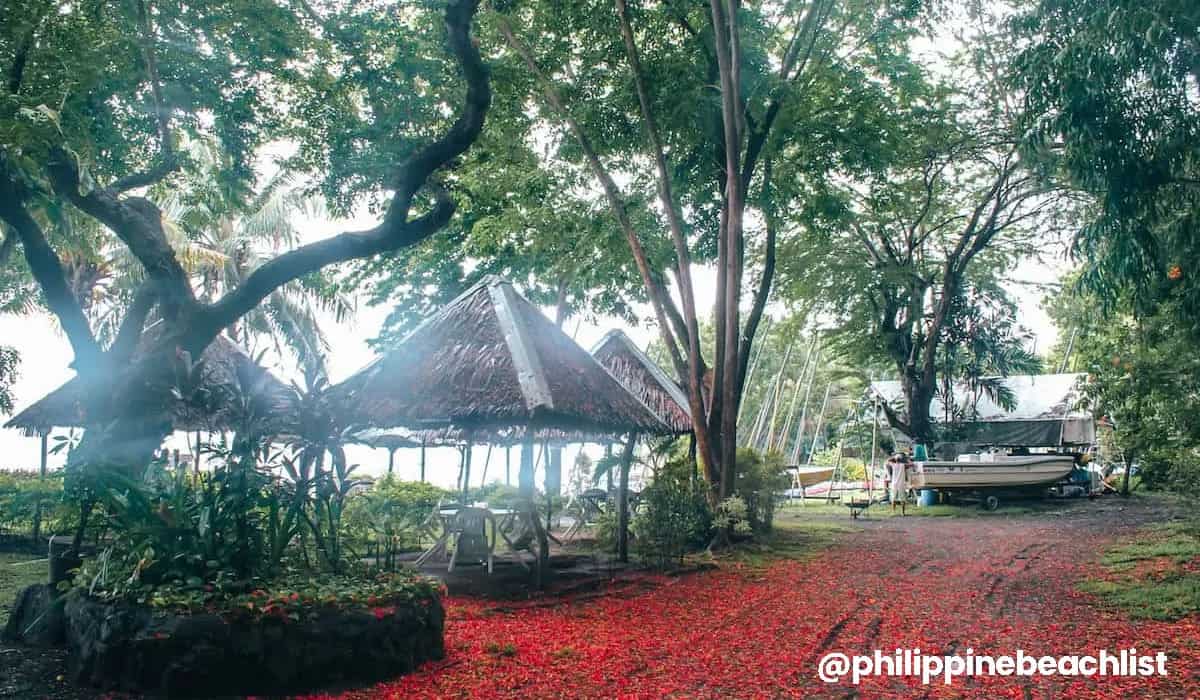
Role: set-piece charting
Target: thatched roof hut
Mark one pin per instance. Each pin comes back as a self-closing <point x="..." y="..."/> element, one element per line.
<point x="644" y="379"/>
<point x="226" y="372"/>
<point x="487" y="364"/>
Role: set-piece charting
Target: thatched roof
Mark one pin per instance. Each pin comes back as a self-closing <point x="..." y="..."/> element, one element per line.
<point x="644" y="379"/>
<point x="226" y="372"/>
<point x="489" y="362"/>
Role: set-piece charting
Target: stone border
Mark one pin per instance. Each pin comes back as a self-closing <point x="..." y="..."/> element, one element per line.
<point x="117" y="646"/>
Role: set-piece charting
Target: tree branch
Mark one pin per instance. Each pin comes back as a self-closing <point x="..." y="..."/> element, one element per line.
<point x="47" y="269"/>
<point x="670" y="204"/>
<point x="396" y="230"/>
<point x="167" y="158"/>
<point x="658" y="300"/>
<point x="135" y="220"/>
<point x="764" y="284"/>
<point x="130" y="331"/>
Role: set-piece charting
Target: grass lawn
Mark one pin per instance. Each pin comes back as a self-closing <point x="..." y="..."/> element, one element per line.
<point x="16" y="572"/>
<point x="791" y="537"/>
<point x="884" y="510"/>
<point x="1154" y="576"/>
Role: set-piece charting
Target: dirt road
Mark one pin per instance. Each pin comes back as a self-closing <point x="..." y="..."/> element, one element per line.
<point x="991" y="584"/>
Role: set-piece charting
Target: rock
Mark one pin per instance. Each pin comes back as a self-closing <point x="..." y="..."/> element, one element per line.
<point x="36" y="618"/>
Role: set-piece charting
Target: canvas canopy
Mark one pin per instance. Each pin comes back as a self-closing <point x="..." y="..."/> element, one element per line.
<point x="1045" y="413"/>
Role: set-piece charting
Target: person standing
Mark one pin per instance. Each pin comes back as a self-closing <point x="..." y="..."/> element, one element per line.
<point x="899" y="464"/>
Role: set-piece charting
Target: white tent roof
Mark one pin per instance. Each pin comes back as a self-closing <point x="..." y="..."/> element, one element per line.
<point x="1038" y="397"/>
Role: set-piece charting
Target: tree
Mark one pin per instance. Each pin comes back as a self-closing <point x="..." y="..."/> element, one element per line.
<point x="727" y="113"/>
<point x="1141" y="382"/>
<point x="99" y="96"/>
<point x="902" y="257"/>
<point x="1110" y="93"/>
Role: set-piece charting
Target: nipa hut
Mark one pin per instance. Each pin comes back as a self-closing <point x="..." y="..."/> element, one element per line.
<point x="644" y="379"/>
<point x="490" y="364"/>
<point x="225" y="372"/>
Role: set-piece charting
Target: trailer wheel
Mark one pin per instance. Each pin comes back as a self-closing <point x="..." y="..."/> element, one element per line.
<point x="990" y="503"/>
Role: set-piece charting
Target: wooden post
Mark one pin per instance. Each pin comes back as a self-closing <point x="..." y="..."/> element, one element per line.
<point x="487" y="459"/>
<point x="525" y="486"/>
<point x="623" y="500"/>
<point x="551" y="479"/>
<point x="37" y="512"/>
<point x="508" y="465"/>
<point x="196" y="461"/>
<point x="391" y="460"/>
<point x="608" y="475"/>
<point x="466" y="474"/>
<point x="692" y="459"/>
<point x="422" y="459"/>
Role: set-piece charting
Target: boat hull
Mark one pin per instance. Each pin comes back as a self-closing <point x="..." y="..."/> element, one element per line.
<point x="1004" y="473"/>
<point x="808" y="476"/>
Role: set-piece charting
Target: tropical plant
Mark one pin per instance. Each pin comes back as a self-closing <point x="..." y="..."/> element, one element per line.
<point x="1142" y="380"/>
<point x="761" y="477"/>
<point x="1110" y="93"/>
<point x="388" y="518"/>
<point x="673" y="516"/>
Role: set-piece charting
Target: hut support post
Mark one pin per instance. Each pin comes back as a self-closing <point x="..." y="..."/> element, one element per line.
<point x="692" y="459"/>
<point x="608" y="476"/>
<point x="525" y="487"/>
<point x="422" y="459"/>
<point x="508" y="465"/>
<point x="391" y="460"/>
<point x="487" y="459"/>
<point x="466" y="469"/>
<point x="623" y="500"/>
<point x="37" y="511"/>
<point x="196" y="461"/>
<point x="874" y="437"/>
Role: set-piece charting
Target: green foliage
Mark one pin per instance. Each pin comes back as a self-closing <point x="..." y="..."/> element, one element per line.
<point x="1143" y="380"/>
<point x="24" y="497"/>
<point x="732" y="516"/>
<point x="1110" y="91"/>
<point x="9" y="360"/>
<point x="673" y="516"/>
<point x="759" y="479"/>
<point x="386" y="518"/>
<point x="496" y="495"/>
<point x="297" y="595"/>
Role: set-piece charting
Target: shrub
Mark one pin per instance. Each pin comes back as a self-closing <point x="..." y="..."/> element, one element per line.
<point x="673" y="517"/>
<point x="733" y="516"/>
<point x="759" y="478"/>
<point x="387" y="517"/>
<point x="22" y="492"/>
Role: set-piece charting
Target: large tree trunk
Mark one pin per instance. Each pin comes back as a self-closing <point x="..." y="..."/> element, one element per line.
<point x="918" y="395"/>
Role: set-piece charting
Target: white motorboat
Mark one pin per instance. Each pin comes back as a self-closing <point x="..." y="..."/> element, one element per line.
<point x="807" y="476"/>
<point x="992" y="471"/>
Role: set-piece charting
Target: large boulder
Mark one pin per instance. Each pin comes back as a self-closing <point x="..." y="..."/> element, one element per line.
<point x="117" y="646"/>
